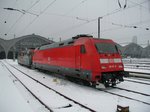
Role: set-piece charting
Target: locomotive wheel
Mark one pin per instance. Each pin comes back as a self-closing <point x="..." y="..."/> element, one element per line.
<point x="93" y="84"/>
<point x="86" y="83"/>
<point x="32" y="67"/>
<point x="113" y="84"/>
<point x="106" y="85"/>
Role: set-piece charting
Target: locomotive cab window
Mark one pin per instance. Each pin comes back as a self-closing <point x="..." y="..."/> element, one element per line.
<point x="82" y="49"/>
<point x="106" y="48"/>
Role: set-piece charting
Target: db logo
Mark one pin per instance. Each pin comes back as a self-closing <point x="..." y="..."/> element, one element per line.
<point x="49" y="59"/>
<point x="111" y="61"/>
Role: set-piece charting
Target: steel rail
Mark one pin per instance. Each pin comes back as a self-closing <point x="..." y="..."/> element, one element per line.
<point x="124" y="96"/>
<point x="132" y="91"/>
<point x="137" y="82"/>
<point x="66" y="97"/>
<point x="46" y="106"/>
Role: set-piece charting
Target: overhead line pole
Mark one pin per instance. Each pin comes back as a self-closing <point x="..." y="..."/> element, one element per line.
<point x="99" y="18"/>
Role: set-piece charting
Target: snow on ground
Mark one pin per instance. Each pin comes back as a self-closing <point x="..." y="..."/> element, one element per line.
<point x="93" y="98"/>
<point x="137" y="65"/>
<point x="137" y="70"/>
<point x="10" y="98"/>
<point x="136" y="60"/>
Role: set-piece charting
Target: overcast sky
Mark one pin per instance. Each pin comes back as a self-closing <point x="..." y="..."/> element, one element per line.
<point x="67" y="18"/>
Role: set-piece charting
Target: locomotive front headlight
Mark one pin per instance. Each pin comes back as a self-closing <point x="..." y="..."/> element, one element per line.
<point x="104" y="60"/>
<point x="120" y="66"/>
<point x="103" y="67"/>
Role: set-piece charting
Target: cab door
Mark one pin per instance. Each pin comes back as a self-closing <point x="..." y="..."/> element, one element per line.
<point x="80" y="52"/>
<point x="77" y="58"/>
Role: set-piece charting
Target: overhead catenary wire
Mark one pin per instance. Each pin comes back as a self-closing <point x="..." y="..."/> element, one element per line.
<point x="22" y="11"/>
<point x="129" y="26"/>
<point x="118" y="10"/>
<point x="70" y="28"/>
<point x="7" y="16"/>
<point x="139" y="4"/>
<point x="92" y="20"/>
<point x="51" y="3"/>
<point x="30" y="23"/>
<point x="19" y="18"/>
<point x="108" y="14"/>
<point x="9" y="13"/>
<point x="72" y="9"/>
<point x="85" y="22"/>
<point x="121" y="26"/>
<point x="66" y="15"/>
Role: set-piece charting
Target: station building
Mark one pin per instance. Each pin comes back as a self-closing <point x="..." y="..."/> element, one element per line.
<point x="9" y="48"/>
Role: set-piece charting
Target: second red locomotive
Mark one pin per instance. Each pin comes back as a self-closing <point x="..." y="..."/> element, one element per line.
<point x="83" y="57"/>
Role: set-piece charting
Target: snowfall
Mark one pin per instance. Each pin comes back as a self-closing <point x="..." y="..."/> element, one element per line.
<point x="14" y="97"/>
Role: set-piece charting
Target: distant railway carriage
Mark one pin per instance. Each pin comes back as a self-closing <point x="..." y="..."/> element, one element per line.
<point x="83" y="57"/>
<point x="25" y="57"/>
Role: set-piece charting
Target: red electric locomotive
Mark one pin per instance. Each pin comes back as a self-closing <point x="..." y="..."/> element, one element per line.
<point x="83" y="57"/>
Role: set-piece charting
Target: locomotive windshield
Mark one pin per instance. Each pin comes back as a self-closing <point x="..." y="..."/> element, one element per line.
<point x="106" y="48"/>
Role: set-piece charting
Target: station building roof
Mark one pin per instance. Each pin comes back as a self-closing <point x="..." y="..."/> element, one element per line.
<point x="27" y="41"/>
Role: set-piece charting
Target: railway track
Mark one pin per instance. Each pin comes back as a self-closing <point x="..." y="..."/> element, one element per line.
<point x="138" y="74"/>
<point x="139" y="68"/>
<point x="132" y="91"/>
<point x="137" y="82"/>
<point x="106" y="91"/>
<point x="42" y="103"/>
<point x="123" y="96"/>
<point x="70" y="99"/>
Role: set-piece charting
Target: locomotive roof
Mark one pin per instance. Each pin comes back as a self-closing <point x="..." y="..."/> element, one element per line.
<point x="57" y="44"/>
<point x="67" y="42"/>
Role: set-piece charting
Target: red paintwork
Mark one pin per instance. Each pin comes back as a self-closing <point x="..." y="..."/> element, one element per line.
<point x="70" y="57"/>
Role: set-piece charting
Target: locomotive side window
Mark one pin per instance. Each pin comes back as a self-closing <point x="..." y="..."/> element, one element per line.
<point x="106" y="48"/>
<point x="82" y="49"/>
<point x="117" y="48"/>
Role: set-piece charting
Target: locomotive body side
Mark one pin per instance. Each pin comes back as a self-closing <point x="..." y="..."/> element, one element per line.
<point x="68" y="59"/>
<point x="84" y="58"/>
